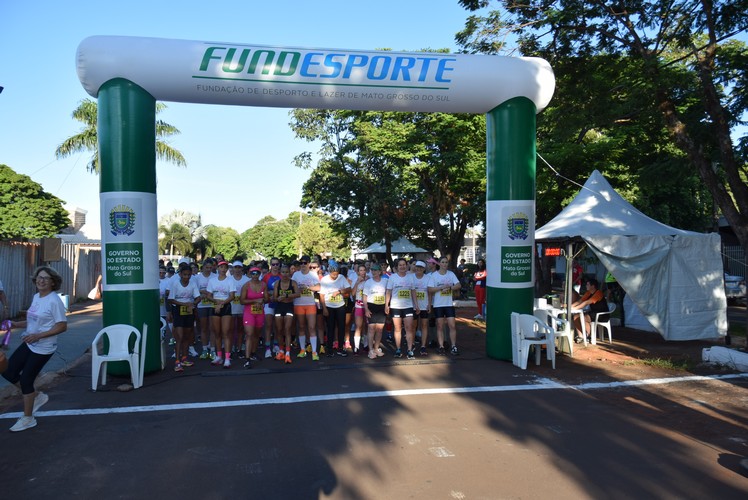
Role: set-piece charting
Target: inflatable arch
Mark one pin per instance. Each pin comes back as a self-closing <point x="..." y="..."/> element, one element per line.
<point x="128" y="75"/>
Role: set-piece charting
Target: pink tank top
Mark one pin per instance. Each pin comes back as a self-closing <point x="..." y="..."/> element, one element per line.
<point x="254" y="308"/>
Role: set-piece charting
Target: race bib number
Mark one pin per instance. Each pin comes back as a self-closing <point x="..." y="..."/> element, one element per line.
<point x="421" y="295"/>
<point x="161" y="301"/>
<point x="403" y="294"/>
<point x="256" y="309"/>
<point x="208" y="302"/>
<point x="307" y="293"/>
<point x="337" y="299"/>
<point x="378" y="299"/>
<point x="236" y="300"/>
<point x="447" y="292"/>
<point x="185" y="311"/>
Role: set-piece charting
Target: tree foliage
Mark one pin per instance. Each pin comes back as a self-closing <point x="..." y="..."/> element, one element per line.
<point x="384" y="174"/>
<point x="26" y="210"/>
<point x="223" y="240"/>
<point x="287" y="239"/>
<point x="680" y="56"/>
<point x="87" y="138"/>
<point x="174" y="237"/>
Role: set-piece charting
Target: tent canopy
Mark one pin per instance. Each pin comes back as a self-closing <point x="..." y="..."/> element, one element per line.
<point x="675" y="277"/>
<point x="399" y="246"/>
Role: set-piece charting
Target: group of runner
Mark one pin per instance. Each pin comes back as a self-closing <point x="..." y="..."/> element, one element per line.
<point x="324" y="307"/>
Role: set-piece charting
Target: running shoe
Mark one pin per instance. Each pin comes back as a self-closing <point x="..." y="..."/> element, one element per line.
<point x="186" y="362"/>
<point x="411" y="355"/>
<point x="398" y="353"/>
<point x="356" y="353"/>
<point x="379" y="352"/>
<point x="454" y="351"/>
<point x="315" y="356"/>
<point x="178" y="367"/>
<point x="372" y="354"/>
<point x="342" y="353"/>
<point x="288" y="359"/>
<point x="276" y="349"/>
<point x="217" y="361"/>
<point x="335" y="345"/>
<point x="302" y="354"/>
<point x="253" y="357"/>
<point x="39" y="400"/>
<point x="205" y="354"/>
<point x="331" y="354"/>
<point x="322" y="349"/>
<point x="309" y="348"/>
<point x="172" y="341"/>
<point x="268" y="353"/>
<point x="280" y="356"/>
<point x="347" y="344"/>
<point x="193" y="352"/>
<point x="424" y="351"/>
<point x="441" y="351"/>
<point x="23" y="423"/>
<point x="227" y="363"/>
<point x="248" y="365"/>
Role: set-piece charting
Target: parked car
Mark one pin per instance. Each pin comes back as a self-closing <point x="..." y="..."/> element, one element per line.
<point x="734" y="287"/>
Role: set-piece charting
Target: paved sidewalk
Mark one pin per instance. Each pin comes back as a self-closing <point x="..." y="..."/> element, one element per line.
<point x="84" y="322"/>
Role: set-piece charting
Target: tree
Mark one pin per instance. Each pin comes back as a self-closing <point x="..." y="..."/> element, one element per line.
<point x="667" y="39"/>
<point x="223" y="240"/>
<point x="175" y="236"/>
<point x="87" y="138"/>
<point x="26" y="210"/>
<point x="383" y="174"/>
<point x="269" y="238"/>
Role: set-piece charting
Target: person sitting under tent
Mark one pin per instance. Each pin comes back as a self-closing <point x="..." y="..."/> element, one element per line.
<point x="592" y="302"/>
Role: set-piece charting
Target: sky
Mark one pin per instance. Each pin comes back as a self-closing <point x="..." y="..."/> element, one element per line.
<point x="239" y="152"/>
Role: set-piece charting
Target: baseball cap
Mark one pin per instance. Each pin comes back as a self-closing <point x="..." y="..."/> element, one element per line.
<point x="223" y="263"/>
<point x="433" y="261"/>
<point x="255" y="269"/>
<point x="237" y="264"/>
<point x="420" y="263"/>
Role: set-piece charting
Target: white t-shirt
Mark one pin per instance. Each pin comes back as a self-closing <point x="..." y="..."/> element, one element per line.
<point x="221" y="289"/>
<point x="375" y="291"/>
<point x="359" y="296"/>
<point x="163" y="286"/>
<point x="421" y="287"/>
<point x="236" y="306"/>
<point x="43" y="314"/>
<point x="402" y="290"/>
<point x="330" y="286"/>
<point x="183" y="294"/>
<point x="202" y="283"/>
<point x="436" y="280"/>
<point x="308" y="280"/>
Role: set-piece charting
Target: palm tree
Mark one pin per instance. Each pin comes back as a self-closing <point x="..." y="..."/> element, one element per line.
<point x="87" y="140"/>
<point x="175" y="237"/>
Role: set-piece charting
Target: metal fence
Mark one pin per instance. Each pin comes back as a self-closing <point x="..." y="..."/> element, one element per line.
<point x="79" y="266"/>
<point x="734" y="259"/>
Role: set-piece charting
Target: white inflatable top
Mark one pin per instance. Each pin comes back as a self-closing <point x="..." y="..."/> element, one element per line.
<point x="292" y="77"/>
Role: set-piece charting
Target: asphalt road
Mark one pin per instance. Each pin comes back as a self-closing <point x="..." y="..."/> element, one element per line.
<point x="352" y="428"/>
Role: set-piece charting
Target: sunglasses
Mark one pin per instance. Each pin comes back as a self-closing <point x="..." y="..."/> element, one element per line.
<point x="255" y="272"/>
<point x="275" y="264"/>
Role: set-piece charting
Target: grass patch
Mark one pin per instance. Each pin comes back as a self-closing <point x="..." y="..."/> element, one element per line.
<point x="664" y="363"/>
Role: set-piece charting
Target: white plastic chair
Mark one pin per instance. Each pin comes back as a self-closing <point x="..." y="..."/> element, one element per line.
<point x="559" y="328"/>
<point x="530" y="331"/>
<point x="119" y="350"/>
<point x="605" y="325"/>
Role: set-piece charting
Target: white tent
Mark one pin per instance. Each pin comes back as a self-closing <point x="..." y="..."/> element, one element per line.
<point x="400" y="246"/>
<point x="675" y="277"/>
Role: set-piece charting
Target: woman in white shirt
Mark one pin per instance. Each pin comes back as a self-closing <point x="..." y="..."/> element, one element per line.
<point x="441" y="285"/>
<point x="401" y="303"/>
<point x="45" y="320"/>
<point x="333" y="290"/>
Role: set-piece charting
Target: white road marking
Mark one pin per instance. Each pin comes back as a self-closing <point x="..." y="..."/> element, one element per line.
<point x="541" y="384"/>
